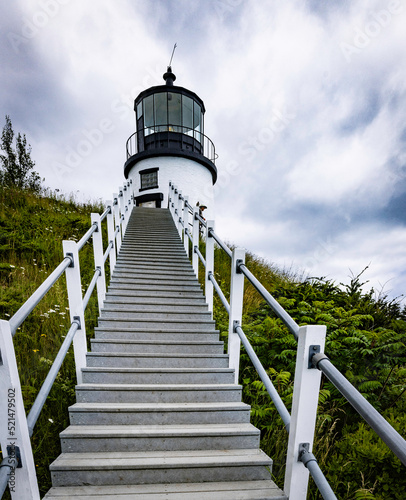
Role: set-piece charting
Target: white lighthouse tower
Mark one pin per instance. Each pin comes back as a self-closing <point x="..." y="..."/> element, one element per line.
<point x="169" y="145"/>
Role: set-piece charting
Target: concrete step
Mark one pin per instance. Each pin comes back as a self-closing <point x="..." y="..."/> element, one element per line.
<point x="157" y="393"/>
<point x="152" y="306"/>
<point x="151" y="261"/>
<point x="156" y="285"/>
<point x="166" y="324"/>
<point x="108" y="438"/>
<point x="125" y="360"/>
<point x="234" y="490"/>
<point x="135" y="268"/>
<point x="155" y="314"/>
<point x="118" y="468"/>
<point x="158" y="346"/>
<point x="100" y="375"/>
<point x="176" y="280"/>
<point x="159" y="413"/>
<point x="153" y="271"/>
<point x="123" y="301"/>
<point x="145" y="251"/>
<point x="126" y="290"/>
<point x="132" y="333"/>
<point x="167" y="243"/>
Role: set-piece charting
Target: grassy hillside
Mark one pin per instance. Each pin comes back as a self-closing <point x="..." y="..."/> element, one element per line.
<point x="366" y="337"/>
<point x="31" y="232"/>
<point x="365" y="340"/>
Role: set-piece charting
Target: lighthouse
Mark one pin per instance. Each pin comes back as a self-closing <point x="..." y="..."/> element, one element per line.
<point x="170" y="145"/>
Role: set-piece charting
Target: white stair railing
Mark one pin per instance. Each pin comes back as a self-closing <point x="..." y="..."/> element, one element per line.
<point x="17" y="469"/>
<point x="310" y="362"/>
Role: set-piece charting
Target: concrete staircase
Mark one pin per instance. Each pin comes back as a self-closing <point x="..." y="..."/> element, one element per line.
<point x="158" y="415"/>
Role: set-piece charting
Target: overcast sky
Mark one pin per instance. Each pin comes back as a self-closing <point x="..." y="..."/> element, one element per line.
<point x="305" y="102"/>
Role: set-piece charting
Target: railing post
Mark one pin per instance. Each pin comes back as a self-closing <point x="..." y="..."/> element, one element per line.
<point x="122" y="209"/>
<point x="208" y="285"/>
<point x="175" y="206"/>
<point x="304" y="409"/>
<point x="117" y="221"/>
<point x="110" y="236"/>
<point x="98" y="260"/>
<point x="235" y="316"/>
<point x="186" y="226"/>
<point x="14" y="433"/>
<point x="180" y="214"/>
<point x="74" y="286"/>
<point x="170" y="196"/>
<point x="195" y="241"/>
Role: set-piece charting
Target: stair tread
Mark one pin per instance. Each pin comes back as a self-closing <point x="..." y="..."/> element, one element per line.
<point x="155" y="355"/>
<point x="157" y="342"/>
<point x="159" y="387"/>
<point x="231" y="490"/>
<point x="160" y="459"/>
<point x="157" y="407"/>
<point x="114" y="431"/>
<point x="156" y="370"/>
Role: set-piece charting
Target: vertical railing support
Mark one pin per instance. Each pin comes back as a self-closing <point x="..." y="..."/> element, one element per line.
<point x="195" y="241"/>
<point x="304" y="409"/>
<point x="110" y="236"/>
<point x="117" y="221"/>
<point x="122" y="209"/>
<point x="186" y="226"/>
<point x="208" y="285"/>
<point x="74" y="286"/>
<point x="235" y="316"/>
<point x="179" y="216"/>
<point x="98" y="260"/>
<point x="14" y="434"/>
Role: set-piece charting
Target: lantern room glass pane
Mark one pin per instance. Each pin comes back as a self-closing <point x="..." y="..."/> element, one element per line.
<point x="149" y="114"/>
<point x="187" y="114"/>
<point x="139" y="110"/>
<point x="174" y="111"/>
<point x="161" y="111"/>
<point x="197" y="120"/>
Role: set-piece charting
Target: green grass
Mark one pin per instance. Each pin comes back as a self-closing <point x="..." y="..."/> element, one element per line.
<point x="31" y="232"/>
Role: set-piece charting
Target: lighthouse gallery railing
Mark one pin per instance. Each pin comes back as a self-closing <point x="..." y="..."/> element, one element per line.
<point x="17" y="469"/>
<point x="310" y="362"/>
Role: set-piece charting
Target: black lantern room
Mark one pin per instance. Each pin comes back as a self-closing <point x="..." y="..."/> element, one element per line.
<point x="170" y="122"/>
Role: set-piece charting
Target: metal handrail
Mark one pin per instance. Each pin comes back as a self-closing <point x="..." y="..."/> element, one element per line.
<point x="384" y="430"/>
<point x="279" y="405"/>
<point x="209" y="150"/>
<point x="310" y="462"/>
<point x="105" y="214"/>
<point x="50" y="378"/>
<point x="17" y="319"/>
<point x="107" y="252"/>
<point x="196" y="250"/>
<point x="221" y="243"/>
<point x="276" y="307"/>
<point x="219" y="292"/>
<point x="86" y="237"/>
<point x="200" y="218"/>
<point x="5" y="473"/>
<point x="188" y="234"/>
<point x="90" y="288"/>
